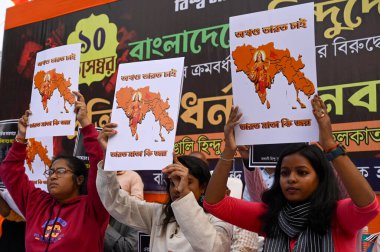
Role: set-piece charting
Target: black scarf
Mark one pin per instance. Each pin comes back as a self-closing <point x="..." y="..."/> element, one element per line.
<point x="293" y="223"/>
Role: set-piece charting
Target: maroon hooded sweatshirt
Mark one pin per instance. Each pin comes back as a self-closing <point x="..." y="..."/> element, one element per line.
<point x="79" y="224"/>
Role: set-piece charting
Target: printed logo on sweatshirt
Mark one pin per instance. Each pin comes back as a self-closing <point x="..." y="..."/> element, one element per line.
<point x="55" y="233"/>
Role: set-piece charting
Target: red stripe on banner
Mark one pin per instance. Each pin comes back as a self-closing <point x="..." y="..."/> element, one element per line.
<point x="38" y="10"/>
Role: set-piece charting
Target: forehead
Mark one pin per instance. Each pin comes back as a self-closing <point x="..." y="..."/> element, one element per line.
<point x="60" y="163"/>
<point x="192" y="178"/>
<point x="296" y="160"/>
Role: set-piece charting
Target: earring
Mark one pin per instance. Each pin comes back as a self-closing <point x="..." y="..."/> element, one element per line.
<point x="201" y="198"/>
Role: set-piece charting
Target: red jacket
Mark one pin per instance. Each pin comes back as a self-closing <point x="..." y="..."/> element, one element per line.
<point x="80" y="223"/>
<point x="347" y="220"/>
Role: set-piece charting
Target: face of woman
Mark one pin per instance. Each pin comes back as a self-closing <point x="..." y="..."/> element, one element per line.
<point x="194" y="186"/>
<point x="60" y="183"/>
<point x="298" y="179"/>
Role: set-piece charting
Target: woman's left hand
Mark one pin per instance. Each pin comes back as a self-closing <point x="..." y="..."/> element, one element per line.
<point x="357" y="186"/>
<point x="179" y="175"/>
<point x="108" y="131"/>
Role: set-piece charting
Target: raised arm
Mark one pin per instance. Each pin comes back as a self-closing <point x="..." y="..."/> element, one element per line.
<point x="216" y="188"/>
<point x="254" y="182"/>
<point x="357" y="186"/>
<point x="81" y="110"/>
<point x="205" y="233"/>
<point x="95" y="153"/>
<point x="123" y="207"/>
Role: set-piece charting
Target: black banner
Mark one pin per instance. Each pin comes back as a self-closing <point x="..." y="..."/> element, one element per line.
<point x="347" y="52"/>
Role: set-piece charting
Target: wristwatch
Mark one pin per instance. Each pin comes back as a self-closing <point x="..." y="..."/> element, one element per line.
<point x="339" y="150"/>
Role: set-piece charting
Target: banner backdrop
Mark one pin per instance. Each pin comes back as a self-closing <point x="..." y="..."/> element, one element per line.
<point x="347" y="51"/>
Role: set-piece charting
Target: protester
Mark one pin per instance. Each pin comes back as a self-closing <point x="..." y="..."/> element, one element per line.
<point x="200" y="155"/>
<point x="64" y="219"/>
<point x="120" y="237"/>
<point x="257" y="180"/>
<point x="179" y="225"/>
<point x="242" y="239"/>
<point x="302" y="210"/>
<point x="131" y="182"/>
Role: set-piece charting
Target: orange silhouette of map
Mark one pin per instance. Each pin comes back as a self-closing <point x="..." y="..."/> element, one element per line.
<point x="263" y="63"/>
<point x="136" y="103"/>
<point x="47" y="82"/>
<point x="35" y="148"/>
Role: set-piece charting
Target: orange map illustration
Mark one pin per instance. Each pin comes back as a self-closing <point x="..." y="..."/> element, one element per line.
<point x="48" y="82"/>
<point x="35" y="148"/>
<point x="137" y="103"/>
<point x="263" y="63"/>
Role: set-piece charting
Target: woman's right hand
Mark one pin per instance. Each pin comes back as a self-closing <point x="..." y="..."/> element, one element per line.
<point x="326" y="139"/>
<point x="216" y="188"/>
<point x="22" y="124"/>
<point x="229" y="135"/>
<point x="81" y="110"/>
<point x="107" y="131"/>
<point x="179" y="176"/>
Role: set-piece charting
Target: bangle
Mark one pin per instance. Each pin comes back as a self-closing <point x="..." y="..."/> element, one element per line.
<point x="331" y="148"/>
<point x="339" y="150"/>
<point x="226" y="159"/>
<point x="21" y="140"/>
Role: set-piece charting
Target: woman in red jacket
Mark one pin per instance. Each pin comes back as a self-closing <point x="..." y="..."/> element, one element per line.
<point x="301" y="211"/>
<point x="64" y="219"/>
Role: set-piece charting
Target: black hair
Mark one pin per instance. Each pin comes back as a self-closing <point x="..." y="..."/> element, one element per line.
<point x="79" y="169"/>
<point x="200" y="155"/>
<point x="197" y="168"/>
<point x="323" y="200"/>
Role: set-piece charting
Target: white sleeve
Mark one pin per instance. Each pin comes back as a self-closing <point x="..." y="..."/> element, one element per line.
<point x="120" y="205"/>
<point x="203" y="231"/>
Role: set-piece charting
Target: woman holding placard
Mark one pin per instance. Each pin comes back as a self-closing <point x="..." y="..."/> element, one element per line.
<point x="302" y="210"/>
<point x="65" y="218"/>
<point x="179" y="225"/>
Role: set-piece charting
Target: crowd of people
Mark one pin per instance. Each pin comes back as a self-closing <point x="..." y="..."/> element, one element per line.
<point x="314" y="200"/>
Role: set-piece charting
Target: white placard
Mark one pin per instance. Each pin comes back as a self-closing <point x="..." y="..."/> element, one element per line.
<point x="52" y="104"/>
<point x="274" y="76"/>
<point x="145" y="107"/>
